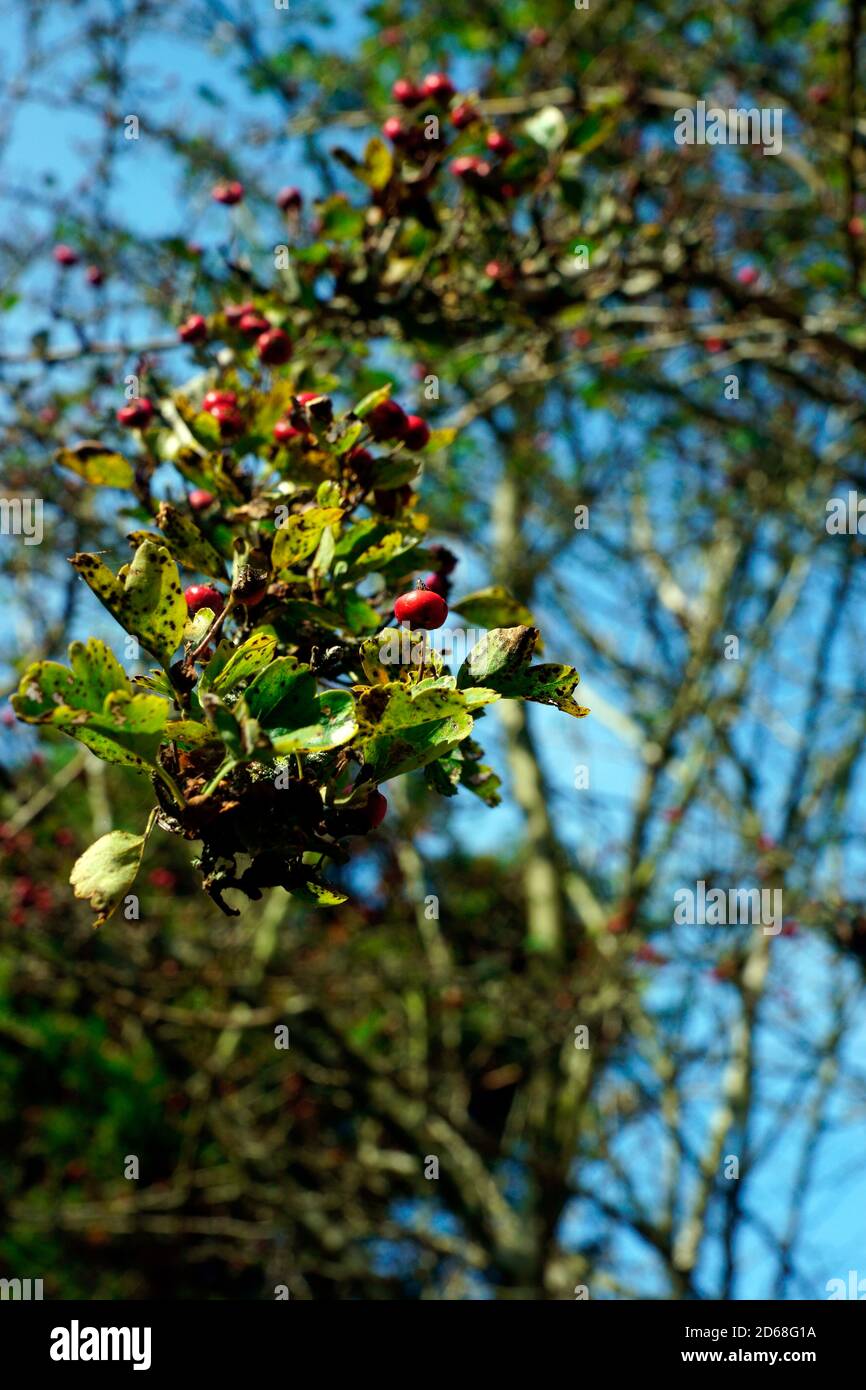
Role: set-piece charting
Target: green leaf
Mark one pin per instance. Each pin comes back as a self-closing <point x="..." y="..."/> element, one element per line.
<point x="493" y="607"/>
<point x="94" y="703"/>
<point x="371" y="400"/>
<point x="97" y="464"/>
<point x="106" y="871"/>
<point x="187" y="544"/>
<point x="338" y="220"/>
<point x="299" y="536"/>
<point x="403" y="728"/>
<point x="284" y="700"/>
<point x="318" y="893"/>
<point x="146" y="597"/>
<point x="227" y="667"/>
<point x="501" y="661"/>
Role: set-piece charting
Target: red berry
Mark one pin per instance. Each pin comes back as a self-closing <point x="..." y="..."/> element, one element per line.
<point x="137" y="415"/>
<point x="377" y="808"/>
<point x="203" y="596"/>
<point x="416" y="432"/>
<point x="274" y="347"/>
<point x="498" y="143"/>
<point x="537" y="37"/>
<point x="231" y="422"/>
<point x="193" y="329"/>
<point x="463" y="115"/>
<point x="251" y="325"/>
<point x="199" y="499"/>
<point x="219" y="398"/>
<point x="387" y="420"/>
<point x="819" y="94"/>
<point x="495" y="269"/>
<point x="94" y="275"/>
<point x="406" y="93"/>
<point x="856" y="226"/>
<point x="421" y="608"/>
<point x="284" y="432"/>
<point x="289" y="199"/>
<point x="64" y="255"/>
<point x="437" y="85"/>
<point x="437" y="584"/>
<point x="229" y="419"/>
<point x="748" y="275"/>
<point x="469" y="166"/>
<point x="714" y="345"/>
<point x="393" y="130"/>
<point x="304" y="397"/>
<point x="228" y="193"/>
<point x="235" y="312"/>
<point x="581" y="337"/>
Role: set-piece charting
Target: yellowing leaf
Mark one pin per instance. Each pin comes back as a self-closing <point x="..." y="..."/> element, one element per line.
<point x="97" y="464"/>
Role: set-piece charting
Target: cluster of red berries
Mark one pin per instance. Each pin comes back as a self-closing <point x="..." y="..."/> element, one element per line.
<point x="273" y="345"/>
<point x="388" y="420"/>
<point x="67" y="258"/>
<point x="222" y="406"/>
<point x="228" y="193"/>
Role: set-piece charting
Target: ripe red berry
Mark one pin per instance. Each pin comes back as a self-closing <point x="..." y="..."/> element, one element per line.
<point x="387" y="420"/>
<point x="438" y="86"/>
<point x="193" y="329"/>
<point x="137" y="415"/>
<point x="856" y="226"/>
<point x="229" y="419"/>
<point x="213" y="398"/>
<point x="463" y="115"/>
<point x="819" y="94"/>
<point x="500" y="144"/>
<point x="714" y="345"/>
<point x="228" y="193"/>
<point x="393" y="130"/>
<point x="274" y="347"/>
<point x="421" y="608"/>
<point x="251" y="325"/>
<point x="199" y="499"/>
<point x="406" y="93"/>
<point x="416" y="432"/>
<point x="235" y="312"/>
<point x="284" y="432"/>
<point x="581" y="337"/>
<point x="203" y="596"/>
<point x="304" y="397"/>
<point x="64" y="255"/>
<point x="437" y="584"/>
<point x="377" y="808"/>
<point x="748" y="275"/>
<point x="495" y="270"/>
<point x="537" y="37"/>
<point x="289" y="199"/>
<point x="469" y="166"/>
<point x="94" y="275"/>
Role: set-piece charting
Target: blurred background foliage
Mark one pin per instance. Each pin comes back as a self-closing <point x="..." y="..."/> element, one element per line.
<point x="453" y="1037"/>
